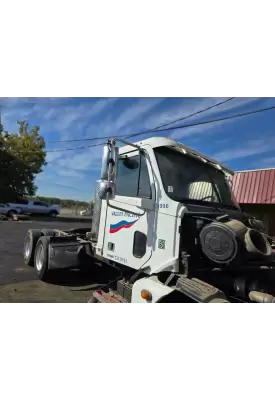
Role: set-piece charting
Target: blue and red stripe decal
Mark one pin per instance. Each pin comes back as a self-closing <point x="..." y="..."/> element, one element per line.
<point x="121" y="225"/>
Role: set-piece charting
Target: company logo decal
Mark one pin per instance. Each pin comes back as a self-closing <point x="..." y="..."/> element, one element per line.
<point x="121" y="225"/>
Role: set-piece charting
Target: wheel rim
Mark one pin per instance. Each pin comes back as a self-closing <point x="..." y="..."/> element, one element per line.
<point x="27" y="247"/>
<point x="39" y="258"/>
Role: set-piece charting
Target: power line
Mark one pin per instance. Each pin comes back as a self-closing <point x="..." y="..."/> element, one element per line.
<point x="149" y="130"/>
<point x="171" y="128"/>
<point x="217" y="119"/>
<point x="181" y="119"/>
<point x="77" y="148"/>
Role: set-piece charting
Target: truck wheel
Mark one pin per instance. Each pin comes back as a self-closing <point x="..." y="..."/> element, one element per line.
<point x="48" y="232"/>
<point x="11" y="212"/>
<point x="53" y="214"/>
<point x="29" y="245"/>
<point x="41" y="258"/>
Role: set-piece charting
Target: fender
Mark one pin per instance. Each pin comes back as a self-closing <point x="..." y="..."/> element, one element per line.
<point x="157" y="289"/>
<point x="66" y="252"/>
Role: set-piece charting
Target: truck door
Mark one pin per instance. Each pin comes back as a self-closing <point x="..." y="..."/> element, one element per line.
<point x="128" y="235"/>
<point x="37" y="207"/>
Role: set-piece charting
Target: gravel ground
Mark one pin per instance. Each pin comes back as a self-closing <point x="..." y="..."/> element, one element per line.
<point x="18" y="282"/>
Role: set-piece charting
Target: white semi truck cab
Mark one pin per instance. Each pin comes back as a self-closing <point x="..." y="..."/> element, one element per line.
<point x="165" y="218"/>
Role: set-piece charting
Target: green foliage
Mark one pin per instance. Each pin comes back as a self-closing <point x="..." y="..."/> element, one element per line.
<point x="22" y="156"/>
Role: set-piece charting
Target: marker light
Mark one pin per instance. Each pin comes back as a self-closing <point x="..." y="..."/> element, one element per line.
<point x="146" y="295"/>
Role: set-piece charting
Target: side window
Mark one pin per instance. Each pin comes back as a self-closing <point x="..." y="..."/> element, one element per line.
<point x="37" y="203"/>
<point x="132" y="177"/>
<point x="21" y="202"/>
<point x="127" y="176"/>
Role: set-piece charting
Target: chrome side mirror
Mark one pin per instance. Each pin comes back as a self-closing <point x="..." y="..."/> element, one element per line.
<point x="104" y="188"/>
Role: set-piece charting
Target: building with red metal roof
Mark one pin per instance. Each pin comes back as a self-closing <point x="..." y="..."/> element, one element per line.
<point x="255" y="186"/>
<point x="254" y="190"/>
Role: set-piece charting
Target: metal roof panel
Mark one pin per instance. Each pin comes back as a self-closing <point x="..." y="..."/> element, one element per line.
<point x="254" y="187"/>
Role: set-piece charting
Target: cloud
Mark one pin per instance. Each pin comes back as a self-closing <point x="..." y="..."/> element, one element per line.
<point x="68" y="118"/>
<point x="100" y="105"/>
<point x="83" y="159"/>
<point x="180" y="110"/>
<point x="60" y="115"/>
<point x="76" y="165"/>
<point x="249" y="148"/>
<point x="53" y="156"/>
<point x="267" y="162"/>
<point x="54" y="183"/>
<point x="71" y="120"/>
<point x="70" y="173"/>
<point x="236" y="104"/>
<point x="191" y="106"/>
<point x="214" y="128"/>
<point x="90" y="158"/>
<point x="136" y="111"/>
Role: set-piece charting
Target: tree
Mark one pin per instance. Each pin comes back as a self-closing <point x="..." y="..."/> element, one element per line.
<point x="22" y="157"/>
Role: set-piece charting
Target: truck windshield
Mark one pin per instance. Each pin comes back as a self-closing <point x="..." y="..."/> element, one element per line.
<point x="187" y="179"/>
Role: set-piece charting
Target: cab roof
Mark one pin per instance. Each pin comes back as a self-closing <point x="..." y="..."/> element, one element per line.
<point x="155" y="142"/>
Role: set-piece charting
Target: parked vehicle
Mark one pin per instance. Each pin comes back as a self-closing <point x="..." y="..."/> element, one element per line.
<point x="3" y="209"/>
<point x="88" y="212"/>
<point x="6" y="210"/>
<point x="34" y="207"/>
<point x="165" y="219"/>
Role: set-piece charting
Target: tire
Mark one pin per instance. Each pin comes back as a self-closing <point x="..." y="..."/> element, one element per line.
<point x="29" y="245"/>
<point x="53" y="214"/>
<point x="41" y="258"/>
<point x="48" y="232"/>
<point x="11" y="212"/>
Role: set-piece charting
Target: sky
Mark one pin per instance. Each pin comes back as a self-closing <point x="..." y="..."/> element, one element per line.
<point x="241" y="143"/>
